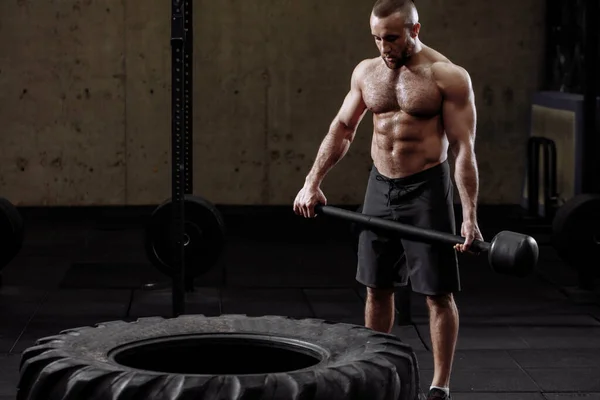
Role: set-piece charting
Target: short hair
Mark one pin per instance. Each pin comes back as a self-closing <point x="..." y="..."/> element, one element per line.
<point x="385" y="8"/>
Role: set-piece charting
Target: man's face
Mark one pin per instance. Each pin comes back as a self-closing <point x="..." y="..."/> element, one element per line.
<point x="393" y="39"/>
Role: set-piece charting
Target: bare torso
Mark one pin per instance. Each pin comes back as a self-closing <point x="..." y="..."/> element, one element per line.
<point x="408" y="134"/>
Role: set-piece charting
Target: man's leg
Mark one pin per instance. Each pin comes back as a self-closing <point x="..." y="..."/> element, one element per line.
<point x="433" y="268"/>
<point x="378" y="257"/>
<point x="379" y="309"/>
<point x="443" y="324"/>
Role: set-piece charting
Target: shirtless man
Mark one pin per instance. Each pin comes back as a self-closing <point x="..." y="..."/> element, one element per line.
<point x="422" y="105"/>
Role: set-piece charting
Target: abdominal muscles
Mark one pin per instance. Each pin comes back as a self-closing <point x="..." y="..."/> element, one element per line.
<point x="405" y="144"/>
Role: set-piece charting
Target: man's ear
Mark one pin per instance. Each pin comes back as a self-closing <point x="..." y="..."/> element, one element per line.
<point x="416" y="28"/>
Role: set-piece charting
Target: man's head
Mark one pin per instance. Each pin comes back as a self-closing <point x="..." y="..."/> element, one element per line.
<point x="395" y="27"/>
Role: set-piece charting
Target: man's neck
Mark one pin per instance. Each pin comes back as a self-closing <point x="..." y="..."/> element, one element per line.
<point x="418" y="47"/>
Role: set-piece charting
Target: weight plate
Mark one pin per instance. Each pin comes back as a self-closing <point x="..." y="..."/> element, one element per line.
<point x="11" y="232"/>
<point x="576" y="232"/>
<point x="204" y="236"/>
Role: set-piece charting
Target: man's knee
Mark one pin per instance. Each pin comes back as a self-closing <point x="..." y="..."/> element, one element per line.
<point x="380" y="294"/>
<point x="441" y="302"/>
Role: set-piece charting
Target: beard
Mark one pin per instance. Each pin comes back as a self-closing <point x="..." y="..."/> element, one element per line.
<point x="405" y="55"/>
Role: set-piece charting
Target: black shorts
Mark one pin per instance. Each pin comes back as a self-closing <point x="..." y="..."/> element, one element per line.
<point x="424" y="199"/>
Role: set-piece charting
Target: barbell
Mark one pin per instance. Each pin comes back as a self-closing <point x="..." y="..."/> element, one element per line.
<point x="509" y="253"/>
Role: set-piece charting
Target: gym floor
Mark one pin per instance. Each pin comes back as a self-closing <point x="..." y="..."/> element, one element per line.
<point x="532" y="338"/>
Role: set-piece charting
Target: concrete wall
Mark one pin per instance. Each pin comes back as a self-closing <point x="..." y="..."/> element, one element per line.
<point x="85" y="99"/>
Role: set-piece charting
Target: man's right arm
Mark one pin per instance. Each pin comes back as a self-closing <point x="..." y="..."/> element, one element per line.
<point x="341" y="131"/>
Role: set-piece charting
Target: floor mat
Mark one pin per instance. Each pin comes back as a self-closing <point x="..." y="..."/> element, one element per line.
<point x="112" y="275"/>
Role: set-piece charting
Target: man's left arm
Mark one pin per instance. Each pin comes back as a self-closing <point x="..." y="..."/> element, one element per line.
<point x="459" y="116"/>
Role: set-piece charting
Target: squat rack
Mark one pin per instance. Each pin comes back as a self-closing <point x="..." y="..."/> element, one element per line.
<point x="182" y="46"/>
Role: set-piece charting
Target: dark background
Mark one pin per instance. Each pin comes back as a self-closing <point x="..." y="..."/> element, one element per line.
<point x="85" y="154"/>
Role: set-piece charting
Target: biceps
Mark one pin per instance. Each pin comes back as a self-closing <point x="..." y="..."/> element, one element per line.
<point x="459" y="123"/>
<point x="352" y="110"/>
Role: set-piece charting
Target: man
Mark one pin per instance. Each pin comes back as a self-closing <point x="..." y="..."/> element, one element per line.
<point x="423" y="106"/>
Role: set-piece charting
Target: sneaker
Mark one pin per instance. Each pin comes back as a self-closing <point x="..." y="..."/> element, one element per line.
<point x="437" y="394"/>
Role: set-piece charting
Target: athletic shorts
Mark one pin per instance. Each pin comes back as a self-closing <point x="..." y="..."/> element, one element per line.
<point x="385" y="260"/>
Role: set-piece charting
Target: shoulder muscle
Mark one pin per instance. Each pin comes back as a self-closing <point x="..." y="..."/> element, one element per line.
<point x="359" y="73"/>
<point x="454" y="81"/>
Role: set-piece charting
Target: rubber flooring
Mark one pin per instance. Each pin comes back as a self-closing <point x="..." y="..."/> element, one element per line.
<point x="520" y="338"/>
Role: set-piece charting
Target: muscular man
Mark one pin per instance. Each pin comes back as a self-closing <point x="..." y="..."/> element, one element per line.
<point x="422" y="106"/>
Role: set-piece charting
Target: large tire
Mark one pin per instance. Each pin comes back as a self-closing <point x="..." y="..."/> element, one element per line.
<point x="356" y="362"/>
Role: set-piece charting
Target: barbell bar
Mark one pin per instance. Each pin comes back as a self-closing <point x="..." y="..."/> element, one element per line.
<point x="509" y="253"/>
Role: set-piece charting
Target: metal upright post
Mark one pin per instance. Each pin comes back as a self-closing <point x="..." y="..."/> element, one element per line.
<point x="188" y="67"/>
<point x="178" y="131"/>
